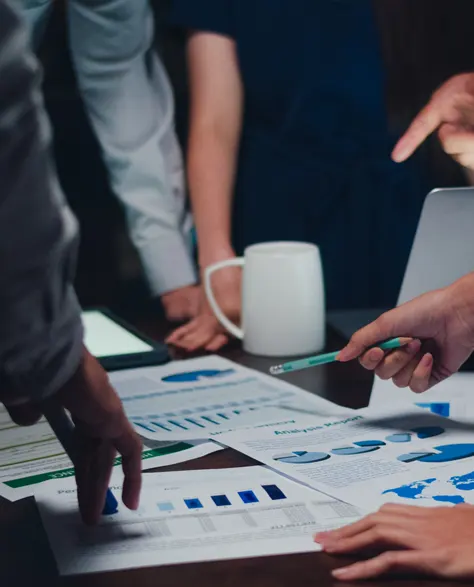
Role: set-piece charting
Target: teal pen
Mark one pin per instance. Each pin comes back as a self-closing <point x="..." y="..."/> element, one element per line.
<point x="63" y="428"/>
<point x="395" y="343"/>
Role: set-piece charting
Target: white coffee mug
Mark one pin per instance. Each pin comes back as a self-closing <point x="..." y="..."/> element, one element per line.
<point x="282" y="299"/>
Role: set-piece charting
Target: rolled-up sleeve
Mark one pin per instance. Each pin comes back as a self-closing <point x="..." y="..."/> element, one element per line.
<point x="40" y="325"/>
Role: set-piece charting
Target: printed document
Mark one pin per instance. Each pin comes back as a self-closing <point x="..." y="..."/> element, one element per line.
<point x="452" y="398"/>
<point x="198" y="398"/>
<point x="191" y="516"/>
<point x="32" y="455"/>
<point x="409" y="456"/>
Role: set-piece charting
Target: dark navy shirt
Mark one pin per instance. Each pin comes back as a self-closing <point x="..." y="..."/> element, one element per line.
<point x="314" y="161"/>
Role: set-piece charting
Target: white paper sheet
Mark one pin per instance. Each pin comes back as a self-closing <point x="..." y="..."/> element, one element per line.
<point x="191" y="517"/>
<point x="31" y="456"/>
<point x="455" y="396"/>
<point x="373" y="457"/>
<point x="196" y="398"/>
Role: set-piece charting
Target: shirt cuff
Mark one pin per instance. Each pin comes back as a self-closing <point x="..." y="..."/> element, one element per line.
<point x="168" y="263"/>
<point x="61" y="350"/>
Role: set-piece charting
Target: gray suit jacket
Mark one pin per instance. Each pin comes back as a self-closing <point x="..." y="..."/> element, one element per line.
<point x="40" y="326"/>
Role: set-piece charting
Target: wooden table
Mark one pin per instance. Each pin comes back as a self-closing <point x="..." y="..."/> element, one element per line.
<point x="26" y="561"/>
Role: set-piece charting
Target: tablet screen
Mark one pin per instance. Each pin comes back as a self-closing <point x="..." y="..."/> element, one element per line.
<point x="106" y="338"/>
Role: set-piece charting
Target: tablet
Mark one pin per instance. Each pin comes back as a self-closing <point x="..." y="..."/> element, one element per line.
<point x="117" y="345"/>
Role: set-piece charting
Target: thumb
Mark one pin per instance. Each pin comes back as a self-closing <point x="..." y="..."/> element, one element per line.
<point x="385" y="327"/>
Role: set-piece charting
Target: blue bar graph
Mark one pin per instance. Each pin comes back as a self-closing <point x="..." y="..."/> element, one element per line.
<point x="194" y="422"/>
<point x="274" y="492"/>
<point x="175" y="423"/>
<point x="248" y="496"/>
<point x="165" y="506"/>
<point x="220" y="500"/>
<point x="211" y="420"/>
<point x="162" y="426"/>
<point x="193" y="504"/>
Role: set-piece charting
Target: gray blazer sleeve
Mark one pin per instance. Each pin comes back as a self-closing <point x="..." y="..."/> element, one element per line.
<point x="40" y="326"/>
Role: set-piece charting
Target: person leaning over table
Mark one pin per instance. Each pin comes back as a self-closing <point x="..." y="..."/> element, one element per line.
<point x="290" y="140"/>
<point x="130" y="103"/>
<point x="434" y="541"/>
<point x="42" y="356"/>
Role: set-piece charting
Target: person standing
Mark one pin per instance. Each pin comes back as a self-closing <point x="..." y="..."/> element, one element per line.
<point x="43" y="360"/>
<point x="130" y="103"/>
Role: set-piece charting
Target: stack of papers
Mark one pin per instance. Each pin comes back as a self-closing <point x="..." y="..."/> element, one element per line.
<point x="324" y="466"/>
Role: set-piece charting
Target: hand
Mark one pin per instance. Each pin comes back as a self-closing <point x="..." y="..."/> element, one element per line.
<point x="181" y="304"/>
<point x="102" y="430"/>
<point x="431" y="541"/>
<point x="443" y="319"/>
<point x="451" y="112"/>
<point x="205" y="331"/>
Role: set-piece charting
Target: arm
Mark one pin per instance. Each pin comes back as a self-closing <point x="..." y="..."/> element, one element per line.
<point x="42" y="360"/>
<point x="216" y="122"/>
<point x="40" y="327"/>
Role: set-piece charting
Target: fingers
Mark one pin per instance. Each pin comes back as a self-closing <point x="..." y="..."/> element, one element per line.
<point x="129" y="447"/>
<point x="391" y="562"/>
<point x="417" y="374"/>
<point x="201" y="333"/>
<point x="459" y="143"/>
<point x="395" y="514"/>
<point x="381" y="536"/>
<point x="217" y="343"/>
<point x="421" y="378"/>
<point x="427" y="121"/>
<point x="94" y="464"/>
<point x="456" y="140"/>
<point x="182" y="332"/>
<point x="383" y="328"/>
<point x="388" y="365"/>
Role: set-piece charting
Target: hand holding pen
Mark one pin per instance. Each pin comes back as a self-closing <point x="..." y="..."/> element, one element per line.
<point x="438" y="336"/>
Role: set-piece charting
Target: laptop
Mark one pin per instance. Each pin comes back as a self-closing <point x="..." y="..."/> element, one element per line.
<point x="442" y="252"/>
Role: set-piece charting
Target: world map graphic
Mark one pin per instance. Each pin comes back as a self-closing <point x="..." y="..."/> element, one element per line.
<point x="449" y="491"/>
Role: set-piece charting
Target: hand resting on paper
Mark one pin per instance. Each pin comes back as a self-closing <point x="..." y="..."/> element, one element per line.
<point x="101" y="431"/>
<point x="441" y="324"/>
<point x="429" y="541"/>
<point x="204" y="332"/>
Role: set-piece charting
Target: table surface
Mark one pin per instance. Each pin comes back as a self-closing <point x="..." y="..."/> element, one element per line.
<point x="26" y="560"/>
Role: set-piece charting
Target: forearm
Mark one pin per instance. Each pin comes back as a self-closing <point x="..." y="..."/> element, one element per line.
<point x="212" y="167"/>
<point x="40" y="327"/>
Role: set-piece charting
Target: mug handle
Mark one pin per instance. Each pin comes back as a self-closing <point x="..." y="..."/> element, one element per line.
<point x="219" y="314"/>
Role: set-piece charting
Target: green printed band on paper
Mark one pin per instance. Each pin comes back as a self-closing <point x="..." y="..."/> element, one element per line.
<point x="148" y="454"/>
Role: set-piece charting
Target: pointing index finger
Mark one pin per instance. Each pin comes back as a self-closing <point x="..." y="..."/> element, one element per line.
<point x="427" y="121"/>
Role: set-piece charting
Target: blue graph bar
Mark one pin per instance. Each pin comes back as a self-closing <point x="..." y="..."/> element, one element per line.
<point x="177" y="424"/>
<point x="194" y="422"/>
<point x="274" y="492"/>
<point x="165" y="506"/>
<point x="210" y="420"/>
<point x="220" y="500"/>
<point x="248" y="496"/>
<point x="144" y="426"/>
<point x="162" y="426"/>
<point x="193" y="504"/>
<point x="223" y="416"/>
